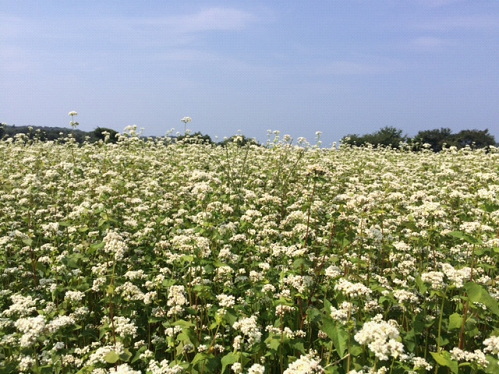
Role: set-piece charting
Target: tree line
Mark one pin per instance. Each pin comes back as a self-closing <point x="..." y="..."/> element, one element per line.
<point x="45" y="133"/>
<point x="435" y="140"/>
<point x="387" y="136"/>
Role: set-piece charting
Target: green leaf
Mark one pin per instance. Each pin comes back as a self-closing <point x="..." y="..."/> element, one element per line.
<point x="139" y="353"/>
<point x="337" y="334"/>
<point x="183" y="323"/>
<point x="229" y="359"/>
<point x="466" y="237"/>
<point x="199" y="357"/>
<point x="299" y="263"/>
<point x="478" y="294"/>
<point x="455" y="321"/>
<point x="443" y="359"/>
<point x="421" y="285"/>
<point x="27" y="241"/>
<point x="230" y="318"/>
<point x="492" y="366"/>
<point x="299" y="347"/>
<point x="126" y="355"/>
<point x="111" y="357"/>
<point x="273" y="342"/>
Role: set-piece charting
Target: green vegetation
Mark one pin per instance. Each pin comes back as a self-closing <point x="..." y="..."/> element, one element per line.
<point x="161" y="255"/>
<point x="433" y="139"/>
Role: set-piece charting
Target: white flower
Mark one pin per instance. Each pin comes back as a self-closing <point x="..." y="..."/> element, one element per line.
<point x="124" y="369"/>
<point x="115" y="244"/>
<point x="476" y="356"/>
<point x="176" y="300"/>
<point x="381" y="338"/>
<point x="435" y="278"/>
<point x="74" y="296"/>
<point x="352" y="289"/>
<point x="226" y="301"/>
<point x="305" y="364"/>
<point x="249" y="328"/>
<point x="256" y="369"/>
<point x="72" y="113"/>
<point x="123" y="326"/>
<point x="492" y="345"/>
<point x="237" y="368"/>
<point x="186" y="119"/>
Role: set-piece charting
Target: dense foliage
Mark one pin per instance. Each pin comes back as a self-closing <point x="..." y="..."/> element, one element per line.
<point x="171" y="257"/>
<point x="426" y="139"/>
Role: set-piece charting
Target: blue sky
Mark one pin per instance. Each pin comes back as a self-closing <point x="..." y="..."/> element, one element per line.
<point x="339" y="67"/>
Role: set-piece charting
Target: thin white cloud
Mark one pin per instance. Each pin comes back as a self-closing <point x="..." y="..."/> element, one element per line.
<point x="342" y="67"/>
<point x="426" y="43"/>
<point x="212" y="19"/>
<point x="438" y="3"/>
<point x="472" y="22"/>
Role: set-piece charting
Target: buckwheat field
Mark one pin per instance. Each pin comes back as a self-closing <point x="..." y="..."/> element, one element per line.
<point x="157" y="256"/>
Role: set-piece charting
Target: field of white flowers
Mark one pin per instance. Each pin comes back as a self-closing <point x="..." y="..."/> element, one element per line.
<point x="166" y="257"/>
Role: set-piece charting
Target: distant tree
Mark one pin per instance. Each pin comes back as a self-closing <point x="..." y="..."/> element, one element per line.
<point x="435" y="138"/>
<point x="2" y="130"/>
<point x="100" y="133"/>
<point x="387" y="136"/>
<point x="196" y="138"/>
<point x="239" y="140"/>
<point x="354" y="139"/>
<point x="473" y="138"/>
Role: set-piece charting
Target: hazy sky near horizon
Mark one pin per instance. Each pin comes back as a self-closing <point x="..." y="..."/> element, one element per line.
<point x="339" y="67"/>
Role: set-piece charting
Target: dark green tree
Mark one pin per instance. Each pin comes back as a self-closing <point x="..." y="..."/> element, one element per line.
<point x="435" y="138"/>
<point x="388" y="136"/>
<point x="239" y="140"/>
<point x="100" y="134"/>
<point x="196" y="138"/>
<point x="473" y="138"/>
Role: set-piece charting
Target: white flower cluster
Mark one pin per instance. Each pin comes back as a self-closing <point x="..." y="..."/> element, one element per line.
<point x="344" y="312"/>
<point x="163" y="367"/>
<point x="123" y="369"/>
<point x="457" y="277"/>
<point x="477" y="356"/>
<point x="176" y="300"/>
<point x="32" y="328"/>
<point x="249" y="328"/>
<point x="333" y="271"/>
<point x="298" y="282"/>
<point x="226" y="301"/>
<point x="421" y="363"/>
<point x="98" y="356"/>
<point x="21" y="306"/>
<point x="115" y="245"/>
<point x="492" y="345"/>
<point x="381" y="338"/>
<point x="435" y="278"/>
<point x="74" y="296"/>
<point x="305" y="364"/>
<point x="123" y="326"/>
<point x="256" y="369"/>
<point x="354" y="290"/>
<point x="404" y="296"/>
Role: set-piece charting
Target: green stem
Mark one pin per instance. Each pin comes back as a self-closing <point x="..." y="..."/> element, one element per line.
<point x="440" y="318"/>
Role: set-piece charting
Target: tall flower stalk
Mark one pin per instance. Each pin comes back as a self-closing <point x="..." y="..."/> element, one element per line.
<point x="73" y="123"/>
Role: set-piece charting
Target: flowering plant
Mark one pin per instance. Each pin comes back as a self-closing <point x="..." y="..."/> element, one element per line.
<point x="73" y="123"/>
<point x="153" y="256"/>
